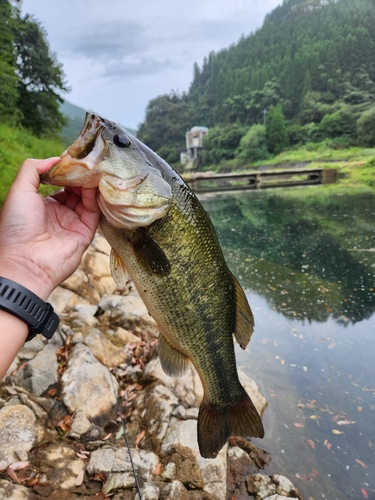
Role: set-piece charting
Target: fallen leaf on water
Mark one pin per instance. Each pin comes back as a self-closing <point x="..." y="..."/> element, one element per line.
<point x="327" y="444"/>
<point x="331" y="346"/>
<point x="304" y="368"/>
<point x="359" y="408"/>
<point x="310" y="443"/>
<point x="296" y="424"/>
<point x="369" y="444"/>
<point x="335" y="431"/>
<point x="364" y="492"/>
<point x="362" y="464"/>
<point x="345" y="422"/>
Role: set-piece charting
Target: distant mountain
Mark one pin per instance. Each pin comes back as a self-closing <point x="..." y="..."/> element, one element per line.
<point x="314" y="58"/>
<point x="75" y="116"/>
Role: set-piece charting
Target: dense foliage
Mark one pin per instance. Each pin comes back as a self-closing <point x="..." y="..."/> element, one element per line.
<point x="30" y="77"/>
<point x="313" y="60"/>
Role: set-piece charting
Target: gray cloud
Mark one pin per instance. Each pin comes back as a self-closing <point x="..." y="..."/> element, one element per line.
<point x="133" y="69"/>
<point x="108" y="41"/>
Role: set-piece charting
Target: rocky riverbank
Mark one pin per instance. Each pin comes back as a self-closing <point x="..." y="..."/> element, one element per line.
<point x="63" y="404"/>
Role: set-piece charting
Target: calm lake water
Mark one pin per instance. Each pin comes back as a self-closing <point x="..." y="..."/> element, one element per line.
<point x="306" y="258"/>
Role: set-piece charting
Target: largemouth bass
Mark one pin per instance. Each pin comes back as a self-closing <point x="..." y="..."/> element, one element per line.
<point x="164" y="240"/>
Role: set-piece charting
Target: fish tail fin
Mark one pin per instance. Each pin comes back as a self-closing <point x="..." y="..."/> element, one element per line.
<point x="217" y="423"/>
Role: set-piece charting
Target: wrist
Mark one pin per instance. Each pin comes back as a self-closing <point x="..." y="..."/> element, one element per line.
<point x="30" y="276"/>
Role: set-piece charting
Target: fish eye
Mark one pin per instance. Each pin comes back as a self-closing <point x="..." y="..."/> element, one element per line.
<point x="121" y="141"/>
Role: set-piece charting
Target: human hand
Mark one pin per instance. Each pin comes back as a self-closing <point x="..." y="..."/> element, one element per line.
<point x="42" y="240"/>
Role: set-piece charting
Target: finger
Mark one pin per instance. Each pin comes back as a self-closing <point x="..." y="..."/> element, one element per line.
<point x="28" y="175"/>
<point x="91" y="212"/>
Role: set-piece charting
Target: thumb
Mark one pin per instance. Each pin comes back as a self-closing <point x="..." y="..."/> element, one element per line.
<point x="27" y="178"/>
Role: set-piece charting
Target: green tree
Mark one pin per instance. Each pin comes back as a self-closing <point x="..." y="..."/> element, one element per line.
<point x="277" y="137"/>
<point x="41" y="78"/>
<point x="8" y="77"/>
<point x="253" y="145"/>
<point x="366" y="128"/>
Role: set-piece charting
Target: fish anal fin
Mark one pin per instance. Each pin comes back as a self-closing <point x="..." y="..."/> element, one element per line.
<point x="173" y="362"/>
<point x="244" y="319"/>
<point x="217" y="423"/>
<point x="118" y="270"/>
<point x="150" y="255"/>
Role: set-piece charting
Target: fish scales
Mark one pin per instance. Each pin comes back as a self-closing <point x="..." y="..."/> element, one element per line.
<point x="163" y="238"/>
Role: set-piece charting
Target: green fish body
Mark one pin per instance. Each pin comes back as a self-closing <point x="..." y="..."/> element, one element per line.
<point x="173" y="256"/>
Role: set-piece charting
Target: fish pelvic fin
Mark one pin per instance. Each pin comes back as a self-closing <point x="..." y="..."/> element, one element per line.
<point x="173" y="362"/>
<point x="118" y="270"/>
<point x="244" y="319"/>
<point x="217" y="423"/>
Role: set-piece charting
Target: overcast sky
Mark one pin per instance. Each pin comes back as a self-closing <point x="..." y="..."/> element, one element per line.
<point x="119" y="54"/>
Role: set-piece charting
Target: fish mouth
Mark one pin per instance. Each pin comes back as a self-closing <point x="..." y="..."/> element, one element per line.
<point x="78" y="163"/>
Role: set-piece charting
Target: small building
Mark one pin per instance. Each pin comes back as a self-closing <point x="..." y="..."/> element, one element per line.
<point x="194" y="140"/>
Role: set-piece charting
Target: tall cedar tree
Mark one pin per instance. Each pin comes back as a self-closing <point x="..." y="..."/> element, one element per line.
<point x="277" y="137"/>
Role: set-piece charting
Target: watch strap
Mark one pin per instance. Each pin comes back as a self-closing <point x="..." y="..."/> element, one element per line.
<point x="25" y="305"/>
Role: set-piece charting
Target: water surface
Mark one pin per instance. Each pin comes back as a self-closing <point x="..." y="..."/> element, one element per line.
<point x="306" y="258"/>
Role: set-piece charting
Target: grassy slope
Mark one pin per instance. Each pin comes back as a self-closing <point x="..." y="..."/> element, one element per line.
<point x="17" y="144"/>
<point x="356" y="165"/>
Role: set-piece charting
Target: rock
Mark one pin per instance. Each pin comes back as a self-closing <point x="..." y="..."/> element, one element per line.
<point x="31" y="348"/>
<point x="88" y="386"/>
<point x="64" y="300"/>
<point x="40" y="372"/>
<point x="80" y="425"/>
<point x="103" y="349"/>
<point x="19" y="431"/>
<point x="284" y="486"/>
<point x="63" y="466"/>
<point x="149" y="491"/>
<point x="115" y="462"/>
<point x="260" y="486"/>
<point x="13" y="491"/>
<point x="129" y="312"/>
<point x="125" y="337"/>
<point x="169" y="472"/>
<point x="79" y="283"/>
<point x="280" y="497"/>
<point x="251" y="388"/>
<point x="83" y="314"/>
<point x="181" y="446"/>
<point x="175" y="490"/>
<point x="158" y="400"/>
<point x="188" y="388"/>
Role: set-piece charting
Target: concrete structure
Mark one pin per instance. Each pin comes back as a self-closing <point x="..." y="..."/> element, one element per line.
<point x="194" y="140"/>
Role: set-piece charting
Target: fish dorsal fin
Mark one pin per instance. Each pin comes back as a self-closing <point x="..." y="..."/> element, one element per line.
<point x="118" y="270"/>
<point x="244" y="321"/>
<point x="173" y="362"/>
<point x="150" y="255"/>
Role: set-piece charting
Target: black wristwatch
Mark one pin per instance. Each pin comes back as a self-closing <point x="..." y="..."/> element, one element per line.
<point x="24" y="304"/>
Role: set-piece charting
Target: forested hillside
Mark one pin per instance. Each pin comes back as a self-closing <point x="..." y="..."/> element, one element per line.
<point x="308" y="74"/>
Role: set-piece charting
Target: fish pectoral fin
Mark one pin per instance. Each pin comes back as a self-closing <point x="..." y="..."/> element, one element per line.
<point x="150" y="255"/>
<point x="173" y="362"/>
<point x="118" y="270"/>
<point x="244" y="320"/>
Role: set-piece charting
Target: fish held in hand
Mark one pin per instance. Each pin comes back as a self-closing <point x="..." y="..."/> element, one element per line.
<point x="164" y="240"/>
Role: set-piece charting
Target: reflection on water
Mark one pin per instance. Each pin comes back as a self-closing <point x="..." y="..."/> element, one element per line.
<point x="306" y="257"/>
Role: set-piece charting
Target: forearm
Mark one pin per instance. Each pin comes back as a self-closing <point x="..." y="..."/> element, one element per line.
<point x="13" y="333"/>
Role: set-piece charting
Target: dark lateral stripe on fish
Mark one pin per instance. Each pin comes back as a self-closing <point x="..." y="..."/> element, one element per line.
<point x="216" y="424"/>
